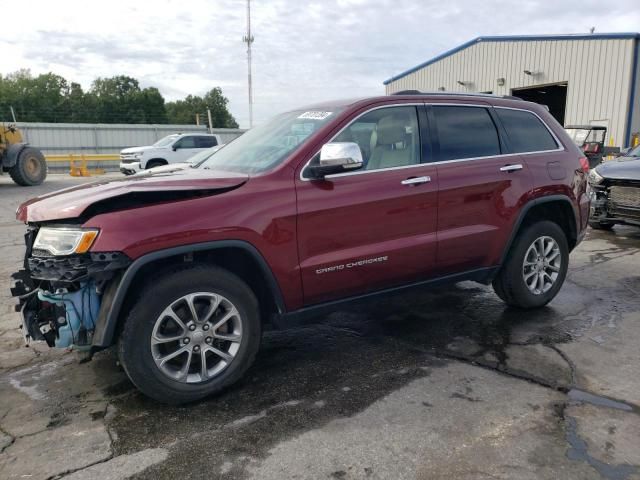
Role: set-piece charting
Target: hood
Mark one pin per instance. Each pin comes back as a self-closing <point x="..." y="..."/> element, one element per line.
<point x="143" y="188"/>
<point x="135" y="150"/>
<point x="170" y="168"/>
<point x="621" y="168"/>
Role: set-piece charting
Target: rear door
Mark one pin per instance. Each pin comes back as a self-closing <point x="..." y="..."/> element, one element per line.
<point x="376" y="227"/>
<point x="480" y="186"/>
<point x="206" y="141"/>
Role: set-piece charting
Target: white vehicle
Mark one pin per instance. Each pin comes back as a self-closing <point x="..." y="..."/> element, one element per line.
<point x="193" y="162"/>
<point x="176" y="148"/>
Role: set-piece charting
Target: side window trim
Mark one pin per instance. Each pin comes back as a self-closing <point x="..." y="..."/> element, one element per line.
<point x="505" y="146"/>
<point x="433" y="132"/>
<point x="426" y="136"/>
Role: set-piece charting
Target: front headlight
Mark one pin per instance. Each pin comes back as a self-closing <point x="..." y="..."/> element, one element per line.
<point x="137" y="155"/>
<point x="594" y="177"/>
<point x="64" y="241"/>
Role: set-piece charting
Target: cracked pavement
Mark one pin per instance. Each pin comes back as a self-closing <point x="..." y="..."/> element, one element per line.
<point x="443" y="383"/>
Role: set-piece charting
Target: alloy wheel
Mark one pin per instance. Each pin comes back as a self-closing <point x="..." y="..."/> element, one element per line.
<point x="541" y="265"/>
<point x="196" y="337"/>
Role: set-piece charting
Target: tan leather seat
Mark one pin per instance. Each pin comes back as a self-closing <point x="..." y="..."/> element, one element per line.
<point x="391" y="149"/>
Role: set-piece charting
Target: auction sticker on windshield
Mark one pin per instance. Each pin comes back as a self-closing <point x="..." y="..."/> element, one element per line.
<point x="315" y="115"/>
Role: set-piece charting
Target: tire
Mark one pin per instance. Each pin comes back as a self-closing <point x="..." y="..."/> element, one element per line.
<point x="155" y="163"/>
<point x="169" y="384"/>
<point x="510" y="284"/>
<point x="30" y="168"/>
<point x="601" y="225"/>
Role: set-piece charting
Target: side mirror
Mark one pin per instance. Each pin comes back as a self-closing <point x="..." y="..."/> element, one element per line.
<point x="174" y="148"/>
<point x="337" y="157"/>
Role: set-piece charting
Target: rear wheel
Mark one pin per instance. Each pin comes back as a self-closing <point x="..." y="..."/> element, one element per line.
<point x="601" y="225"/>
<point x="30" y="168"/>
<point x="190" y="334"/>
<point x="535" y="267"/>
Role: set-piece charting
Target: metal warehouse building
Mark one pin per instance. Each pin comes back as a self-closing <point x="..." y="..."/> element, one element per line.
<point x="583" y="79"/>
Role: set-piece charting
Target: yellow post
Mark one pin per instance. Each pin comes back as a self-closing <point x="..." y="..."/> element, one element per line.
<point x="611" y="144"/>
<point x="73" y="170"/>
<point x="83" y="167"/>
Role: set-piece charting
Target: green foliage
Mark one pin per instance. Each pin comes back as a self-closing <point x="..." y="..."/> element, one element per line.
<point x="183" y="111"/>
<point x="51" y="98"/>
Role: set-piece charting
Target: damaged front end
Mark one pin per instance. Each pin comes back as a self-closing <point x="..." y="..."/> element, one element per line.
<point x="60" y="291"/>
<point x="616" y="201"/>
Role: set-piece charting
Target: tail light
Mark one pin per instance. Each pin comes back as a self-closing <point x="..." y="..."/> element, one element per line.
<point x="584" y="163"/>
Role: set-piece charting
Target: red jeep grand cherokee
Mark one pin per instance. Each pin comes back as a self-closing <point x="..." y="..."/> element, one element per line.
<point x="320" y="205"/>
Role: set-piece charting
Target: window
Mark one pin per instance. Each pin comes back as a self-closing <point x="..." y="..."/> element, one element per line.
<point x="185" y="142"/>
<point x="525" y="131"/>
<point x="165" y="141"/>
<point x="267" y="145"/>
<point x="206" y="142"/>
<point x="387" y="137"/>
<point x="465" y="132"/>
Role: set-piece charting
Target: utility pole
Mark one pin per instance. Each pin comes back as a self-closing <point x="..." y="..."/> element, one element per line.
<point x="248" y="39"/>
<point x="210" y="123"/>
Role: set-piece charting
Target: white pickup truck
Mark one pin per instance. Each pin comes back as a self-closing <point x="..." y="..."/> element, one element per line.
<point x="174" y="148"/>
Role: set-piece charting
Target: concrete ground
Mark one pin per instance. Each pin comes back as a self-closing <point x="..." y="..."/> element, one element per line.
<point x="445" y="383"/>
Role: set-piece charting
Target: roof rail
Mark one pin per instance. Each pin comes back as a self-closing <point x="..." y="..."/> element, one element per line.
<point x="461" y="94"/>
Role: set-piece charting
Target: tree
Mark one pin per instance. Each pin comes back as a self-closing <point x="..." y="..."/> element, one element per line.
<point x="184" y="111"/>
<point x="34" y="99"/>
<point x="119" y="99"/>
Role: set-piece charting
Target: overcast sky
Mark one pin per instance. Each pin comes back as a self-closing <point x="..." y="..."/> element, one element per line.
<point x="304" y="51"/>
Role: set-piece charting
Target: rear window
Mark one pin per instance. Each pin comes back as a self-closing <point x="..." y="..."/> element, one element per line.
<point x="525" y="131"/>
<point x="207" y="142"/>
<point x="465" y="132"/>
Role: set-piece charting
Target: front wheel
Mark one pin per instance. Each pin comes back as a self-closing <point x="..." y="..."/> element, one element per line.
<point x="535" y="267"/>
<point x="190" y="334"/>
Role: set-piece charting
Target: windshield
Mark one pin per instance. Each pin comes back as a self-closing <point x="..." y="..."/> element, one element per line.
<point x="168" y="140"/>
<point x="200" y="157"/>
<point x="580" y="136"/>
<point x="267" y="145"/>
<point x="634" y="152"/>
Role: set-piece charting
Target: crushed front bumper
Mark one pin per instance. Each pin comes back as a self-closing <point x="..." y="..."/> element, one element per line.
<point x="60" y="298"/>
<point x="615" y="204"/>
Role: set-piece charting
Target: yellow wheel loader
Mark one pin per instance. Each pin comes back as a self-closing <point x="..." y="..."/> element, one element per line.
<point x="25" y="164"/>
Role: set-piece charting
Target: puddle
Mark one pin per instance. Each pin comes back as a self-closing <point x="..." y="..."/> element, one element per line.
<point x="579" y="452"/>
<point x="580" y="396"/>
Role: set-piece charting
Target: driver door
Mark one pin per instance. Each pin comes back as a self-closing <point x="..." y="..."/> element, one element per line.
<point x="375" y="227"/>
<point x="184" y="148"/>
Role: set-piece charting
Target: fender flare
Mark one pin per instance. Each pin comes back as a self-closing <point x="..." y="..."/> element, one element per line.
<point x="523" y="213"/>
<point x="110" y="311"/>
<point x="152" y="159"/>
<point x="13" y="152"/>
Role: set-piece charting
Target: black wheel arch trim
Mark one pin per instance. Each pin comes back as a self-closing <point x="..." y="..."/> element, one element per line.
<point x="534" y="203"/>
<point x="106" y="324"/>
<point x="155" y="159"/>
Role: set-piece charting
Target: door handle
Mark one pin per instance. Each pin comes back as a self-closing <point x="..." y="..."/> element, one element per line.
<point x="511" y="168"/>
<point x="416" y="180"/>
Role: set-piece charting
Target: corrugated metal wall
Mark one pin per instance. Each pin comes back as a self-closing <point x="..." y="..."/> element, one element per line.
<point x="59" y="138"/>
<point x="598" y="73"/>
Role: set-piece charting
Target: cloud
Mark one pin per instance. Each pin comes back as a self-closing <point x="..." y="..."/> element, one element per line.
<point x="304" y="52"/>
